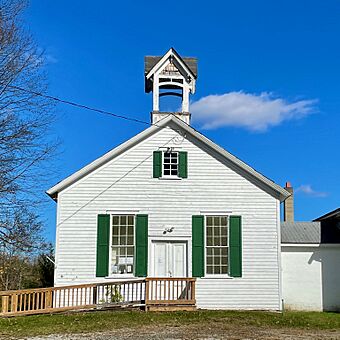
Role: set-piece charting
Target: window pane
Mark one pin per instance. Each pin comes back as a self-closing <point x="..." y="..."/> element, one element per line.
<point x="210" y="270"/>
<point x="217" y="270"/>
<point x="224" y="270"/>
<point x="217" y="260"/>
<point x="223" y="220"/>
<point x="115" y="220"/>
<point x="123" y="230"/>
<point x="115" y="231"/>
<point x="131" y="220"/>
<point x="217" y="241"/>
<point x="114" y="255"/>
<point x="123" y="220"/>
<point x="217" y="251"/>
<point x="209" y="221"/>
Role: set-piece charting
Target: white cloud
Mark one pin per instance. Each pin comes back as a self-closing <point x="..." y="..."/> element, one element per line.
<point x="50" y="59"/>
<point x="308" y="190"/>
<point x="256" y="112"/>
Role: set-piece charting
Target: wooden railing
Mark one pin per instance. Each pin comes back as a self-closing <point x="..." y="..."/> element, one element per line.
<point x="86" y="296"/>
<point x="142" y="292"/>
<point x="170" y="291"/>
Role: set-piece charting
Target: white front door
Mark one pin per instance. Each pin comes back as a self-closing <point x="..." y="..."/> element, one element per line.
<point x="170" y="259"/>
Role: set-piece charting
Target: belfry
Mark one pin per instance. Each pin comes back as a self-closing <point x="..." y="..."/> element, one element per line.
<point x="170" y="75"/>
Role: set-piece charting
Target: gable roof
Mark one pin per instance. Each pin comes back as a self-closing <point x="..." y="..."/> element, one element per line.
<point x="182" y="62"/>
<point x="151" y="61"/>
<point x="333" y="214"/>
<point x="233" y="162"/>
<point x="300" y="232"/>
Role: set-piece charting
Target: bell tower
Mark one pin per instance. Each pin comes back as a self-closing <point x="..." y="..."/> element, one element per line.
<point x="170" y="75"/>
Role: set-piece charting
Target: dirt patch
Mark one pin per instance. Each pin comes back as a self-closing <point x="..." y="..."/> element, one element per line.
<point x="215" y="330"/>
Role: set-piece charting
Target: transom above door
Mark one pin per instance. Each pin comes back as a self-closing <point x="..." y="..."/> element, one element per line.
<point x="169" y="259"/>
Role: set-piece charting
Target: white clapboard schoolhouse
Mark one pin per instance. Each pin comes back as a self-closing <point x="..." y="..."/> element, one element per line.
<point x="170" y="203"/>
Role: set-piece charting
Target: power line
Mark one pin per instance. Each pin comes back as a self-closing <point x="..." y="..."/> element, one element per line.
<point x="82" y="106"/>
<point x="127" y="173"/>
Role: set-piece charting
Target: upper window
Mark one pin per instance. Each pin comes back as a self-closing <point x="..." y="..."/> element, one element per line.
<point x="170" y="163"/>
<point x="123" y="244"/>
<point x="216" y="244"/>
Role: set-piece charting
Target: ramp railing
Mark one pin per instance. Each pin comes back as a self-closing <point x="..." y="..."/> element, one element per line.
<point x="85" y="296"/>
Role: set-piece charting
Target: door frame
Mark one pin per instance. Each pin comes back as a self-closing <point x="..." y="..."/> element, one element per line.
<point x="167" y="240"/>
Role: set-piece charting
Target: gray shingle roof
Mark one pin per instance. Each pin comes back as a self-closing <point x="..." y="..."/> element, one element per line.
<point x="300" y="232"/>
<point x="151" y="61"/>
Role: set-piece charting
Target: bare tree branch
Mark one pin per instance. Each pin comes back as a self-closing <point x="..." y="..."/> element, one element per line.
<point x="25" y="142"/>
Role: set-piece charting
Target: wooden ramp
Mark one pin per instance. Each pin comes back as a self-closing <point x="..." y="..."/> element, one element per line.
<point x="149" y="294"/>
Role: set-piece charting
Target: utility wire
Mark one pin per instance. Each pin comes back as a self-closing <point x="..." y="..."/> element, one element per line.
<point x="82" y="106"/>
<point x="127" y="173"/>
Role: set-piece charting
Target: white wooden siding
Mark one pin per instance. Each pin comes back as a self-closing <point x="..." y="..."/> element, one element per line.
<point x="126" y="183"/>
<point x="311" y="280"/>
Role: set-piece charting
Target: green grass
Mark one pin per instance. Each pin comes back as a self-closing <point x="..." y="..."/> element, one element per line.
<point x="110" y="320"/>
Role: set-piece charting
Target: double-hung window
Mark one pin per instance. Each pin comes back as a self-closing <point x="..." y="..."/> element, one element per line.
<point x="216" y="245"/>
<point x="122" y="244"/>
<point x="170" y="163"/>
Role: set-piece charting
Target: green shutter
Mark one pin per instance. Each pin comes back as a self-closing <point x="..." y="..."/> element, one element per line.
<point x="141" y="266"/>
<point x="103" y="245"/>
<point x="235" y="246"/>
<point x="157" y="164"/>
<point x="197" y="246"/>
<point x="183" y="164"/>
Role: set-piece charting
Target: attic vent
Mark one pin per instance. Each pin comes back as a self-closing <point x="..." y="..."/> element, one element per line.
<point x="170" y="69"/>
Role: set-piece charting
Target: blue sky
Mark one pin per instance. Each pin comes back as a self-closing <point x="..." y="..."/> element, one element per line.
<point x="269" y="70"/>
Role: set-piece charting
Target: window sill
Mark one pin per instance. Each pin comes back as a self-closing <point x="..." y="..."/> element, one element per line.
<point x="120" y="276"/>
<point x="171" y="178"/>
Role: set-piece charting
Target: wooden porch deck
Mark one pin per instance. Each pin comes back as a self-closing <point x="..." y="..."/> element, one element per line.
<point x="149" y="294"/>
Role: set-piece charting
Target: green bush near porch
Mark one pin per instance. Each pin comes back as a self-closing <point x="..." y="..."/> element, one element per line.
<point x="109" y="320"/>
